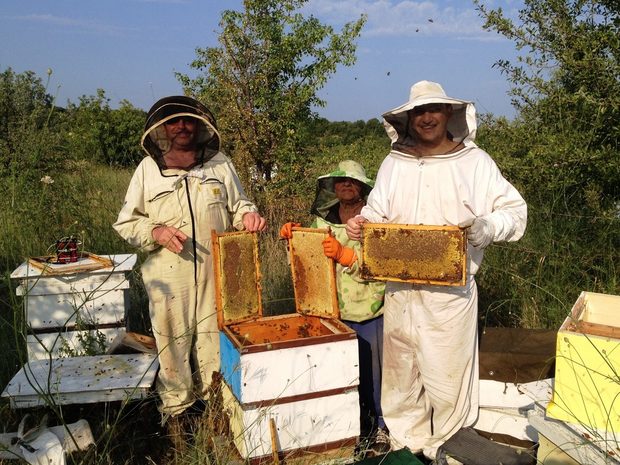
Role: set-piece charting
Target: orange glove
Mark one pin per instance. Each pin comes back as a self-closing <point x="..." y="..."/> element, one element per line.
<point x="286" y="231"/>
<point x="333" y="249"/>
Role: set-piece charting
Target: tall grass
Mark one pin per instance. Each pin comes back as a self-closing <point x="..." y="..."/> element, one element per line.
<point x="531" y="283"/>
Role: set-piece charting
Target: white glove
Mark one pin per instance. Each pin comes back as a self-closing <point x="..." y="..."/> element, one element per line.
<point x="481" y="233"/>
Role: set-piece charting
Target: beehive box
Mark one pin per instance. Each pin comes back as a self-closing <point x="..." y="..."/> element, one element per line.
<point x="562" y="443"/>
<point x="587" y="373"/>
<point x="64" y="304"/>
<point x="82" y="380"/>
<point x="305" y="361"/>
<point x="421" y="254"/>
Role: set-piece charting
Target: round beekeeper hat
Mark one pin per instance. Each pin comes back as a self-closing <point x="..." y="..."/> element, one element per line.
<point x="326" y="197"/>
<point x="154" y="140"/>
<point x="462" y="124"/>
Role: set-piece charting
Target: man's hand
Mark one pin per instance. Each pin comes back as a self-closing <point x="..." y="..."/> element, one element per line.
<point x="286" y="231"/>
<point x="481" y="233"/>
<point x="169" y="237"/>
<point x="253" y="222"/>
<point x="333" y="249"/>
<point x="354" y="227"/>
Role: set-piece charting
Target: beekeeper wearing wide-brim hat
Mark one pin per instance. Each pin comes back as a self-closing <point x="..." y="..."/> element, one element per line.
<point x="461" y="126"/>
<point x="326" y="198"/>
<point x="185" y="188"/>
<point x="435" y="174"/>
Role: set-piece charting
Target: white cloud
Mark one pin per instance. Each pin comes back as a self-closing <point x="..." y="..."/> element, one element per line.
<point x="79" y="24"/>
<point x="388" y="18"/>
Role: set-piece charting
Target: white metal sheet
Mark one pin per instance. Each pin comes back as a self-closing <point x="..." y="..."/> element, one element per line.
<point x="54" y="311"/>
<point x="299" y="424"/>
<point x="42" y="346"/>
<point x="294" y="371"/>
<point x="497" y="394"/>
<point x="585" y="445"/>
<point x="510" y="421"/>
<point x="35" y="282"/>
<point x="81" y="380"/>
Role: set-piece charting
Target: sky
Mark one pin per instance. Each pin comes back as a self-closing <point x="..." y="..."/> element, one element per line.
<point x="132" y="49"/>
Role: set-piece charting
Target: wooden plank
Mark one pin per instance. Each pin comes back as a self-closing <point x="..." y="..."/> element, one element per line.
<point x="34" y="282"/>
<point x="55" y="311"/>
<point x="74" y="380"/>
<point x="86" y="261"/>
<point x="273" y="374"/>
<point x="300" y="425"/>
<point x="420" y="254"/>
<point x="583" y="444"/>
<point x="498" y="394"/>
<point x="72" y="284"/>
<point x="42" y="346"/>
<point x="508" y="421"/>
<point x="121" y="262"/>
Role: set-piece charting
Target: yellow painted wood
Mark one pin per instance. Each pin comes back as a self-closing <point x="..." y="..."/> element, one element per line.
<point x="587" y="377"/>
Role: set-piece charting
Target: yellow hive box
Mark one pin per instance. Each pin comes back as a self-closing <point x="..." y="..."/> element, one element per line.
<point x="587" y="373"/>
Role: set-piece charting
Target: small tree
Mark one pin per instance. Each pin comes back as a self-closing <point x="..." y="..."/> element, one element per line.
<point x="262" y="81"/>
<point x="562" y="153"/>
<point x="96" y="132"/>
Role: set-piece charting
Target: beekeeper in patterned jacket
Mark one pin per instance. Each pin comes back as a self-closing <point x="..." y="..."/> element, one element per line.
<point x="340" y="195"/>
<point x="180" y="192"/>
<point x="436" y="175"/>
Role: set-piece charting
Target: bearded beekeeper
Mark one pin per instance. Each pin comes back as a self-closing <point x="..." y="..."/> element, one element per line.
<point x="182" y="190"/>
<point x="436" y="175"/>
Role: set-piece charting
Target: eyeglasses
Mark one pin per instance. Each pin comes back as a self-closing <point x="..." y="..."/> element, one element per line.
<point x="429" y="108"/>
<point x="176" y="119"/>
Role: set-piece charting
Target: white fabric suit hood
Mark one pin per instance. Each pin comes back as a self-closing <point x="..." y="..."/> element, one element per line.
<point x="461" y="127"/>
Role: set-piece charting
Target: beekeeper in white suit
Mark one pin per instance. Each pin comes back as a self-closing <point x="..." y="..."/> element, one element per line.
<point x="180" y="192"/>
<point x="436" y="175"/>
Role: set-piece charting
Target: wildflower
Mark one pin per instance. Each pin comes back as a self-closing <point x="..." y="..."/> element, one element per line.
<point x="47" y="180"/>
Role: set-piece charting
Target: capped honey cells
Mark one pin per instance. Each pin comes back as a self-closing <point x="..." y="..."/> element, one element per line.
<point x="418" y="254"/>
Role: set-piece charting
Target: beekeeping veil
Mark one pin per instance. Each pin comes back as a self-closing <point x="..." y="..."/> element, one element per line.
<point x="461" y="126"/>
<point x="326" y="197"/>
<point x="154" y="140"/>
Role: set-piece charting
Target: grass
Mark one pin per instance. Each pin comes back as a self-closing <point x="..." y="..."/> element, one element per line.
<point x="532" y="283"/>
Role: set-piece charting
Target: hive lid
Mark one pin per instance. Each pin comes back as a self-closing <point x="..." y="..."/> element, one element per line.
<point x="314" y="274"/>
<point x="237" y="277"/>
<point x="420" y="254"/>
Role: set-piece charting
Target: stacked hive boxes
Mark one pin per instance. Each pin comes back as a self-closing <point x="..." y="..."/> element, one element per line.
<point x="299" y="370"/>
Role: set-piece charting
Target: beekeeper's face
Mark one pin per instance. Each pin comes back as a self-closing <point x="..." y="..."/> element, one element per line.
<point x="181" y="132"/>
<point x="430" y="122"/>
<point x="347" y="189"/>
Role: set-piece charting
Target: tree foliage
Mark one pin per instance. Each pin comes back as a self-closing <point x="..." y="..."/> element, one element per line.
<point x="262" y="81"/>
<point x="97" y="132"/>
<point x="562" y="153"/>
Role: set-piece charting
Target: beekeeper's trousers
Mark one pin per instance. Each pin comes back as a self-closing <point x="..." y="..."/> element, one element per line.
<point x="184" y="322"/>
<point x="430" y="363"/>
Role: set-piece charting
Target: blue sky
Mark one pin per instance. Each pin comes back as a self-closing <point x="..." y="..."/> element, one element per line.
<point x="131" y="49"/>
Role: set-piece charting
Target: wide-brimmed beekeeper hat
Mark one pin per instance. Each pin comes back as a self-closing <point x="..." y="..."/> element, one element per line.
<point x="461" y="126"/>
<point x="154" y="140"/>
<point x="326" y="197"/>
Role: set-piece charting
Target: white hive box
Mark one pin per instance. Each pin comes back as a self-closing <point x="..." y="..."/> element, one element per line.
<point x="587" y="366"/>
<point x="64" y="303"/>
<point x="301" y="369"/>
<point x="82" y="380"/>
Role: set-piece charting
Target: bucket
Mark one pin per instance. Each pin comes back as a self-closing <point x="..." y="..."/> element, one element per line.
<point x="67" y="250"/>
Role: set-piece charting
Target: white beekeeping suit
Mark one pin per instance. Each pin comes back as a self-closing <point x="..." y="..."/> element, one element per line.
<point x="430" y="361"/>
<point x="180" y="285"/>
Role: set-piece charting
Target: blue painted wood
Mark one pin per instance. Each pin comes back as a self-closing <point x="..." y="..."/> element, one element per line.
<point x="230" y="364"/>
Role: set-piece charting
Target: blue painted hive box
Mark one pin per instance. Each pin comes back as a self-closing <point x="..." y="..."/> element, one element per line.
<point x="299" y="369"/>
